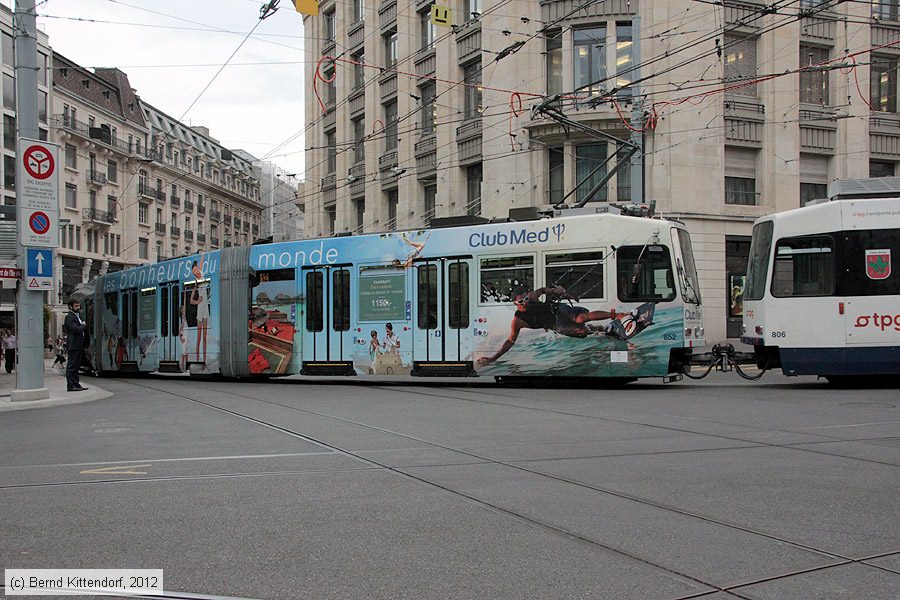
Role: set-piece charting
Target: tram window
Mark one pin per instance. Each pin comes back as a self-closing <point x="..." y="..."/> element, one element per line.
<point x="687" y="268"/>
<point x="866" y="257"/>
<point x="132" y="331"/>
<point x="111" y="302"/>
<point x="644" y="274"/>
<point x="190" y="309"/>
<point x="581" y="273"/>
<point x="504" y="277"/>
<point x="314" y="301"/>
<point x="804" y="266"/>
<point x="458" y="296"/>
<point x="126" y="312"/>
<point x="175" y="318"/>
<point x="427" y="296"/>
<point x="147" y="309"/>
<point x="164" y="311"/>
<point x="340" y="297"/>
<point x="273" y="299"/>
<point x="758" y="262"/>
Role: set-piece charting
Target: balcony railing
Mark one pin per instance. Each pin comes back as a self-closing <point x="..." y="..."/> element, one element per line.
<point x="201" y="238"/>
<point x="214" y="241"/>
<point x="146" y="190"/>
<point x="160" y="196"/>
<point x="188" y="235"/>
<point x="96" y="177"/>
<point x="237" y="223"/>
<point x="228" y="219"/>
<point x="255" y="230"/>
<point x="215" y="215"/>
<point x="201" y="209"/>
<point x="161" y="228"/>
<point x="188" y="206"/>
<point x="174" y="231"/>
<point x="175" y="200"/>
<point x="246" y="226"/>
<point x="98" y="216"/>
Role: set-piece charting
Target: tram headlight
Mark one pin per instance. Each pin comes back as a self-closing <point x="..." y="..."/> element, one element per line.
<point x="759" y="330"/>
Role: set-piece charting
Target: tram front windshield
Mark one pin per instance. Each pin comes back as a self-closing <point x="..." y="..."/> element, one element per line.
<point x="758" y="262"/>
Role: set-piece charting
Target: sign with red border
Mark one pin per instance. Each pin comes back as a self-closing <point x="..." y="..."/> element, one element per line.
<point x="39" y="223"/>
<point x="39" y="162"/>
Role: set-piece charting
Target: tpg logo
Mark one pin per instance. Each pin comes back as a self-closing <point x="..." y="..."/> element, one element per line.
<point x="516" y="236"/>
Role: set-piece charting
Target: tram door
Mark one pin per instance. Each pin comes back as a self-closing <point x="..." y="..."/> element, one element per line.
<point x="169" y="322"/>
<point x="327" y="341"/>
<point x="126" y="345"/>
<point x="442" y="295"/>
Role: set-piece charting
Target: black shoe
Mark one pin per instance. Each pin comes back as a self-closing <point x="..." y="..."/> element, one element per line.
<point x="76" y="389"/>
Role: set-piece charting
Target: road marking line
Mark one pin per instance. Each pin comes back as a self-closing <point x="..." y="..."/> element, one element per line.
<point x="120" y="470"/>
<point x="156" y="460"/>
<point x="852" y="425"/>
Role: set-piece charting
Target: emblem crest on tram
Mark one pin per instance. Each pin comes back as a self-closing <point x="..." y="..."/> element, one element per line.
<point x="878" y="264"/>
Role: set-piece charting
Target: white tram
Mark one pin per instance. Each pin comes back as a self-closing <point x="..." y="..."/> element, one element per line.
<point x="822" y="295"/>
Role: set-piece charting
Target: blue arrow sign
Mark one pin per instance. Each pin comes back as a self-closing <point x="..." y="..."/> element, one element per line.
<point x="39" y="262"/>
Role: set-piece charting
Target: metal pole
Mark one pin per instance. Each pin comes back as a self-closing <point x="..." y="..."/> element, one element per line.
<point x="29" y="303"/>
<point x="637" y="115"/>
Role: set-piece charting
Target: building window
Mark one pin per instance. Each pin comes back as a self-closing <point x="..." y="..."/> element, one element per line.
<point x="71" y="195"/>
<point x="9" y="172"/>
<point x="9" y="132"/>
<point x="472" y="79"/>
<point x="556" y="174"/>
<point x="888" y="10"/>
<point x="9" y="92"/>
<point x="8" y="49"/>
<point x="473" y="9"/>
<point x="813" y="84"/>
<point x="740" y="171"/>
<point x="883" y="84"/>
<point x="428" y="107"/>
<point x="112" y="171"/>
<point x="430" y="201"/>
<point x="359" y="208"/>
<point x="740" y="190"/>
<point x="143" y="213"/>
<point x="72" y="157"/>
<point x="359" y="134"/>
<point x="740" y="64"/>
<point x="590" y="60"/>
<point x="812" y="191"/>
<point x="390" y="125"/>
<point x="329" y="26"/>
<point x="390" y="49"/>
<point x="554" y="62"/>
<point x="427" y="30"/>
<point x="42" y="106"/>
<point x="143" y="248"/>
<point x="331" y="145"/>
<point x="879" y="168"/>
<point x="624" y="58"/>
<point x="359" y="71"/>
<point x="590" y="168"/>
<point x="474" y="176"/>
<point x="393" y="199"/>
<point x="359" y="10"/>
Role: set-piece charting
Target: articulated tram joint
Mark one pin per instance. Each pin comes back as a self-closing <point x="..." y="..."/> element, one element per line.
<point x="723" y="358"/>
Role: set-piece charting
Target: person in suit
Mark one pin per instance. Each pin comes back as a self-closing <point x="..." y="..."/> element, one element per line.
<point x="75" y="335"/>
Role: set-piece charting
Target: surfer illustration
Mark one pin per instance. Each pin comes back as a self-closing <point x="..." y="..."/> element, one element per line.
<point x="532" y="313"/>
<point x="414" y="252"/>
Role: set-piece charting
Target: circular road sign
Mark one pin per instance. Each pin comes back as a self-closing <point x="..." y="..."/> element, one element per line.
<point x="39" y="222"/>
<point x="39" y="162"/>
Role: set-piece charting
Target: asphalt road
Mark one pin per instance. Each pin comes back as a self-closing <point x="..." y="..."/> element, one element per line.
<point x="722" y="489"/>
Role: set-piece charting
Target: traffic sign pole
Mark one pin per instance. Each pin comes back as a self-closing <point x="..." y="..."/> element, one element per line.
<point x="29" y="303"/>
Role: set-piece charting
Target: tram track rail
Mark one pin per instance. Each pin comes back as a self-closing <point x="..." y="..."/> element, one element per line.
<point x="733" y="589"/>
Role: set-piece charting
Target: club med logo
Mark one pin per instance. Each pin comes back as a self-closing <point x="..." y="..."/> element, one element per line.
<point x="516" y="236"/>
<point x="878" y="264"/>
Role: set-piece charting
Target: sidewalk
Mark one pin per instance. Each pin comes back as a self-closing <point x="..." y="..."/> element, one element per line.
<point x="55" y="384"/>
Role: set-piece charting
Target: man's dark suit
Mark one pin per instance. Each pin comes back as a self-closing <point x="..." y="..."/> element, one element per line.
<point x="74" y="328"/>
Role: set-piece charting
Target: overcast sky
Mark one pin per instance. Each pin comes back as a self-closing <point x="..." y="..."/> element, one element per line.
<point x="251" y="105"/>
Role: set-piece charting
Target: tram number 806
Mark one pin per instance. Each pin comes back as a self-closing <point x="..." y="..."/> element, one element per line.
<point x="779" y="334"/>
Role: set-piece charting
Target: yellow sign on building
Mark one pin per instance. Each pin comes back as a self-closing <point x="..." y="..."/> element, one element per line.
<point x="441" y="15"/>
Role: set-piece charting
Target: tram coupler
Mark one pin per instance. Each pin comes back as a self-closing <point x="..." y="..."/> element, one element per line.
<point x="723" y="358"/>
